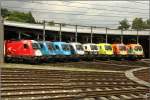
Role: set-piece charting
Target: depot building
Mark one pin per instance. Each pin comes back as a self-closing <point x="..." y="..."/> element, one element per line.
<point x="75" y="33"/>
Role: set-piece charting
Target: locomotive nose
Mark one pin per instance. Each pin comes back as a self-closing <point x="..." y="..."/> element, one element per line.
<point x="38" y="53"/>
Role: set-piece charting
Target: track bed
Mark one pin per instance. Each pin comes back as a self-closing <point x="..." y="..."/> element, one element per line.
<point x="103" y="65"/>
<point x="143" y="75"/>
<point x="38" y="84"/>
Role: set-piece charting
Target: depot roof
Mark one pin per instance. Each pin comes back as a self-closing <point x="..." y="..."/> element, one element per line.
<point x="73" y="29"/>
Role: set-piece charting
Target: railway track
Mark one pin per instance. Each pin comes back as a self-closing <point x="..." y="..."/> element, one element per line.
<point x="104" y="65"/>
<point x="38" y="84"/>
<point x="143" y="74"/>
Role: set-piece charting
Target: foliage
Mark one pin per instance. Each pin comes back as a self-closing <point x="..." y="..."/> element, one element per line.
<point x="63" y="24"/>
<point x="39" y="22"/>
<point x="18" y="16"/>
<point x="124" y="25"/>
<point x="5" y="13"/>
<point x="51" y="23"/>
<point x="138" y="24"/>
<point x="147" y="24"/>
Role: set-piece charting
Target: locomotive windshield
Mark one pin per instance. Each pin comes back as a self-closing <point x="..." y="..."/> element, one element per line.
<point x="65" y="47"/>
<point x="108" y="47"/>
<point x="35" y="46"/>
<point x="71" y="47"/>
<point x="93" y="47"/>
<point x="50" y="46"/>
<point x="138" y="48"/>
<point x="79" y="47"/>
<point x="122" y="48"/>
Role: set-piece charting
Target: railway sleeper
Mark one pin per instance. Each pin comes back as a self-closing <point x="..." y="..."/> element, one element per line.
<point x="81" y="96"/>
<point x="71" y="88"/>
<point x="82" y="90"/>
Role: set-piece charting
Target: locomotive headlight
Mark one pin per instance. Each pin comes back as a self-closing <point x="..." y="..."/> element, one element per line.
<point x="38" y="53"/>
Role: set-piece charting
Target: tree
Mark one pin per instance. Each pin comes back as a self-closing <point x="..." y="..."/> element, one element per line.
<point x="18" y="16"/>
<point x="5" y="13"/>
<point x="30" y="18"/>
<point x="63" y="24"/>
<point x="147" y="24"/>
<point x="21" y="17"/>
<point x="124" y="25"/>
<point x="138" y="24"/>
<point x="51" y="23"/>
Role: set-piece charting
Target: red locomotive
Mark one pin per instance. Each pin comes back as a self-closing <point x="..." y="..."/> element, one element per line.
<point x="22" y="50"/>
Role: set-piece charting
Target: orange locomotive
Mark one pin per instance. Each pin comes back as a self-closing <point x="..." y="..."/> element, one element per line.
<point x="135" y="51"/>
<point x="120" y="50"/>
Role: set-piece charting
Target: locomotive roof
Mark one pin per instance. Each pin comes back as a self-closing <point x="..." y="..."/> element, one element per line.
<point x="135" y="44"/>
<point x="74" y="43"/>
<point x="104" y="44"/>
<point x="89" y="44"/>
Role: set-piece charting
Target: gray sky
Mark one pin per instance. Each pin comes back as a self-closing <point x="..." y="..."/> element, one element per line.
<point x="97" y="13"/>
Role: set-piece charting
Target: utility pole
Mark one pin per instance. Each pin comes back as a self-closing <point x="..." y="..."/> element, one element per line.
<point x="106" y="40"/>
<point x="76" y="34"/>
<point x="91" y="34"/>
<point x="1" y="37"/>
<point x="44" y="30"/>
<point x="137" y="38"/>
<point x="121" y="36"/>
<point x="60" y="34"/>
<point x="19" y="35"/>
<point x="38" y="36"/>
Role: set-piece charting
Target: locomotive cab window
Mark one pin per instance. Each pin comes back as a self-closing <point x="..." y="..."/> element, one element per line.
<point x="65" y="47"/>
<point x="25" y="46"/>
<point x="41" y="45"/>
<point x="85" y="47"/>
<point x="35" y="46"/>
<point x="138" y="48"/>
<point x="107" y="47"/>
<point x="122" y="48"/>
<point x="79" y="47"/>
<point x="100" y="47"/>
<point x="71" y="47"/>
<point x="93" y="47"/>
<point x="50" y="46"/>
<point x="57" y="47"/>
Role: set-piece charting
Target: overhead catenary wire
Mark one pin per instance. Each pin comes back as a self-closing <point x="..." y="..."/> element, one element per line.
<point x="38" y="10"/>
<point x="78" y="14"/>
<point x="116" y="6"/>
<point x="86" y="7"/>
<point x="81" y="7"/>
<point x="137" y="2"/>
<point x="84" y="20"/>
<point x="33" y="1"/>
<point x="64" y="12"/>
